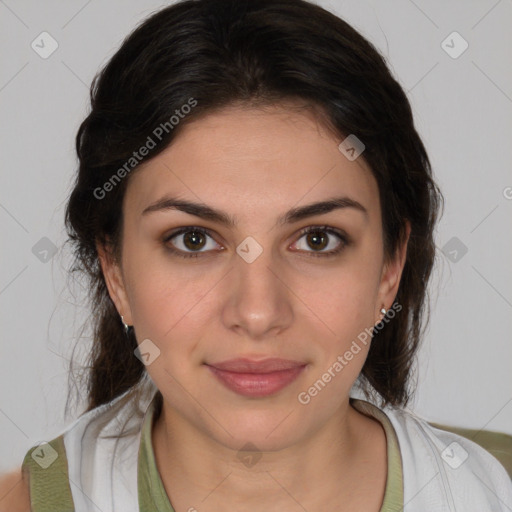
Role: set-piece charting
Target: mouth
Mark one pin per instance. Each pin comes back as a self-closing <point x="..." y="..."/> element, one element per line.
<point x="256" y="379"/>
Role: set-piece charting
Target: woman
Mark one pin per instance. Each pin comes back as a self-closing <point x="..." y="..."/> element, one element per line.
<point x="255" y="211"/>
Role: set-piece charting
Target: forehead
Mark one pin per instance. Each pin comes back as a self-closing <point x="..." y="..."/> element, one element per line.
<point x="253" y="160"/>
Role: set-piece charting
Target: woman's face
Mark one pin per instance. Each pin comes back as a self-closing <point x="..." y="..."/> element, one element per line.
<point x="253" y="285"/>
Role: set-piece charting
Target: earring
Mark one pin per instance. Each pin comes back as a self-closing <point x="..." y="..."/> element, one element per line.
<point x="126" y="326"/>
<point x="379" y="325"/>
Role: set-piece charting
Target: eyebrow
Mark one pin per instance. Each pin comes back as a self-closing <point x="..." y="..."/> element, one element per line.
<point x="293" y="215"/>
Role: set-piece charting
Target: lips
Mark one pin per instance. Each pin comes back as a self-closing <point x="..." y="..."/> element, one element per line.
<point x="256" y="379"/>
<point x="250" y="366"/>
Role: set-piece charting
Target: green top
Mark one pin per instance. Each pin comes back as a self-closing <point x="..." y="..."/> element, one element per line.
<point x="50" y="490"/>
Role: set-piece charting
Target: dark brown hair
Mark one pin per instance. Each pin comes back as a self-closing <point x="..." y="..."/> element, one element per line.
<point x="252" y="53"/>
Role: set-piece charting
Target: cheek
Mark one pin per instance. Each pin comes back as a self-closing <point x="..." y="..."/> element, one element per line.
<point x="165" y="297"/>
<point x="162" y="303"/>
<point x="167" y="310"/>
<point x="345" y="302"/>
<point x="345" y="298"/>
<point x="342" y="348"/>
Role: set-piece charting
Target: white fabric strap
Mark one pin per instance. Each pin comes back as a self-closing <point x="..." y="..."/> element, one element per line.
<point x="479" y="483"/>
<point x="103" y="470"/>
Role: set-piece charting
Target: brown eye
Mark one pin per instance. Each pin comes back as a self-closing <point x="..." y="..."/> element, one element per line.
<point x="194" y="240"/>
<point x="319" y="238"/>
<point x="190" y="242"/>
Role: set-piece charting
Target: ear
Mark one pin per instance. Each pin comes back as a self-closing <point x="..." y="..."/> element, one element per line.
<point x="391" y="274"/>
<point x="115" y="282"/>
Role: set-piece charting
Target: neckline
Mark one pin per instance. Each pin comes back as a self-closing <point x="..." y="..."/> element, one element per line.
<point x="394" y="491"/>
<point x="151" y="490"/>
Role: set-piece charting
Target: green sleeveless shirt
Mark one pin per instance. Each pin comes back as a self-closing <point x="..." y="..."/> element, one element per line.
<point x="50" y="488"/>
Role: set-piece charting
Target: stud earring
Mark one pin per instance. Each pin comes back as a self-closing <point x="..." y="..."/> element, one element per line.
<point x="126" y="326"/>
<point x="379" y="325"/>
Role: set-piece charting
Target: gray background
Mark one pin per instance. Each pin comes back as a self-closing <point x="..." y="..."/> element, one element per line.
<point x="462" y="108"/>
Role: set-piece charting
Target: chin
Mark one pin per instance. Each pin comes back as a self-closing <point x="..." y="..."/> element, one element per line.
<point x="269" y="430"/>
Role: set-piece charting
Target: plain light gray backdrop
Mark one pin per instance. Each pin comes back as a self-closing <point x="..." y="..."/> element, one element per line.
<point x="462" y="102"/>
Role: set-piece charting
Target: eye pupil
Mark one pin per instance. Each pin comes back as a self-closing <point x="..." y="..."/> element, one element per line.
<point x="319" y="241"/>
<point x="195" y="238"/>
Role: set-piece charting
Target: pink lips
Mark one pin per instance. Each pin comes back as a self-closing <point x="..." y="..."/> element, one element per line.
<point x="256" y="378"/>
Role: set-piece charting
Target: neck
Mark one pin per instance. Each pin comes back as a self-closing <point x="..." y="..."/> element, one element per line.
<point x="197" y="471"/>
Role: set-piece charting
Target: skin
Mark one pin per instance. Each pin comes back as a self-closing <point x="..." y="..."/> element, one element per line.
<point x="256" y="165"/>
<point x="14" y="492"/>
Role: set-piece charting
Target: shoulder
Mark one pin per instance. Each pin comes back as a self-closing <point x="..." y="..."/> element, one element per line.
<point x="14" y="492"/>
<point x="103" y="438"/>
<point x="464" y="472"/>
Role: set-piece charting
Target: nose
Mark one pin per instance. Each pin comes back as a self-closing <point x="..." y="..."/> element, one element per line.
<point x="258" y="303"/>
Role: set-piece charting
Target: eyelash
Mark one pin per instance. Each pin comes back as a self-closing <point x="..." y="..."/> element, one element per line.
<point x="344" y="239"/>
